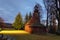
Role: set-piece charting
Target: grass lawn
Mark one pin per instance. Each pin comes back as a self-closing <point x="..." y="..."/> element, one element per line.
<point x="26" y="36"/>
<point x="13" y="32"/>
<point x="35" y="37"/>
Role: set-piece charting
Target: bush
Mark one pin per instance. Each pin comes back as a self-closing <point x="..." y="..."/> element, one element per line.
<point x="58" y="32"/>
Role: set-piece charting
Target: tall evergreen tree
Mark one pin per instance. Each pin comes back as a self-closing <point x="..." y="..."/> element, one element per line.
<point x="37" y="14"/>
<point x="18" y="23"/>
<point x="30" y="15"/>
<point x="26" y="18"/>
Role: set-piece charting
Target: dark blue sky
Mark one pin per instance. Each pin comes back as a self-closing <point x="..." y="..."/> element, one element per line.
<point x="10" y="8"/>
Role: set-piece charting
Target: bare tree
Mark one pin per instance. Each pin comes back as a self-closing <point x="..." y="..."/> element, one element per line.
<point x="52" y="14"/>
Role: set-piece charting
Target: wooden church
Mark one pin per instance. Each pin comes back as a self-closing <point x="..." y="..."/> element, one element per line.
<point x="34" y="25"/>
